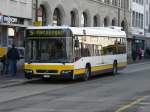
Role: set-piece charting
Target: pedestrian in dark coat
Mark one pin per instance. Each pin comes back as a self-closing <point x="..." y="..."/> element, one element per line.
<point x="13" y="56"/>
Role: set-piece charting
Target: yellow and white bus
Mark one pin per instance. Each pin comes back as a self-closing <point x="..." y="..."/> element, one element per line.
<point x="74" y="52"/>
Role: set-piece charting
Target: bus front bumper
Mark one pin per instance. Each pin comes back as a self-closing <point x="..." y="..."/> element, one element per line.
<point x="68" y="74"/>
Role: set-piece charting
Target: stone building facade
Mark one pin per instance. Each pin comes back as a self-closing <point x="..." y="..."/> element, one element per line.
<point x="86" y="13"/>
<point x="105" y="13"/>
<point x="147" y="23"/>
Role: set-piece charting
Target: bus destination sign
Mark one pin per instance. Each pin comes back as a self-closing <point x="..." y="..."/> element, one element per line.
<point x="48" y="32"/>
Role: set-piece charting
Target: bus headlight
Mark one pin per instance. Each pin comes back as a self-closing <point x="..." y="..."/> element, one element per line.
<point x="28" y="71"/>
<point x="66" y="72"/>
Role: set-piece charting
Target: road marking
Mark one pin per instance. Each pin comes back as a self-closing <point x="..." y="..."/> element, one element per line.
<point x="145" y="103"/>
<point x="140" y="63"/>
<point x="131" y="104"/>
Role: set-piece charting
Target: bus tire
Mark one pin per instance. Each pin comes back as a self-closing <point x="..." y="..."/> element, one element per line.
<point x="45" y="79"/>
<point x="115" y="68"/>
<point x="87" y="74"/>
<point x="28" y="76"/>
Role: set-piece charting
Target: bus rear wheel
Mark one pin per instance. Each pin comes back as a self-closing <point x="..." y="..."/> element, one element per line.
<point x="87" y="74"/>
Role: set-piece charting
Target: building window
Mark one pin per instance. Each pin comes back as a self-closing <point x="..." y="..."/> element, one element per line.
<point x="146" y="18"/>
<point x="139" y="19"/>
<point x="127" y="4"/>
<point x="42" y="15"/>
<point x="73" y="18"/>
<point x="107" y="1"/>
<point x="122" y="4"/>
<point x="106" y="21"/>
<point x="57" y="17"/>
<point x="136" y="19"/>
<point x="133" y="19"/>
<point x="84" y="20"/>
<point x="114" y="22"/>
<point x="95" y="19"/>
<point x="114" y="2"/>
<point x="142" y="20"/>
<point x="123" y="25"/>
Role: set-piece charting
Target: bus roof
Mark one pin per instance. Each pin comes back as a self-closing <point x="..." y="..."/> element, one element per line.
<point x="95" y="31"/>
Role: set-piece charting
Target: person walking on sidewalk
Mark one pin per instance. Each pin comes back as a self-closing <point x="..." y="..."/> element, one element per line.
<point x="139" y="52"/>
<point x="13" y="57"/>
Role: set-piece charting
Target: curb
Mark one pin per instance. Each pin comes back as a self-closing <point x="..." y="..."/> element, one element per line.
<point x="139" y="61"/>
<point x="9" y="82"/>
<point x="17" y="83"/>
<point x="143" y="62"/>
<point x="13" y="84"/>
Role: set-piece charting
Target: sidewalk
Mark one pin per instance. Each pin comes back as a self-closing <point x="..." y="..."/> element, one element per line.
<point x="130" y="61"/>
<point x="7" y="80"/>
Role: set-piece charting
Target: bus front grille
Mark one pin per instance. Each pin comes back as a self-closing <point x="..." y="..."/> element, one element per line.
<point x="47" y="71"/>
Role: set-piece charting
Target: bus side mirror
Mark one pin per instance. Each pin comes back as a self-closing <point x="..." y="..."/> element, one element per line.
<point x="76" y="43"/>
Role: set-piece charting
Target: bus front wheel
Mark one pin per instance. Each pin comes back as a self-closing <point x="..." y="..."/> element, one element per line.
<point x="28" y="76"/>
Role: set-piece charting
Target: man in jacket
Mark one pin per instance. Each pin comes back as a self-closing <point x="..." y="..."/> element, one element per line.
<point x="13" y="56"/>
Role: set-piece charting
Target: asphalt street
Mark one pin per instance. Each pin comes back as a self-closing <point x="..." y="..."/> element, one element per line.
<point x="129" y="91"/>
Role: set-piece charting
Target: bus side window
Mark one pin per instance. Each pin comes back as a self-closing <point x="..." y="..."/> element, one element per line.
<point x="76" y="49"/>
<point x="76" y="43"/>
<point x="84" y="50"/>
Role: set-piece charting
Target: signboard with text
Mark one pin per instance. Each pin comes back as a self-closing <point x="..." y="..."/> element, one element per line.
<point x="9" y="19"/>
<point x="48" y="33"/>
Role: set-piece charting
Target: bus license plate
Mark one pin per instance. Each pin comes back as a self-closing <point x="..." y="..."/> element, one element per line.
<point x="46" y="76"/>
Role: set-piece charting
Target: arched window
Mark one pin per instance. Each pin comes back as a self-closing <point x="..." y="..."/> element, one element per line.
<point x="95" y="21"/>
<point x="73" y="18"/>
<point x="84" y="19"/>
<point x="113" y="22"/>
<point x="123" y="25"/>
<point x="106" y="20"/>
<point x="43" y="15"/>
<point x="57" y="17"/>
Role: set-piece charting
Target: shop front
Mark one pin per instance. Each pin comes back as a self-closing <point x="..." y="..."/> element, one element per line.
<point x="138" y="47"/>
<point x="11" y="32"/>
<point x="138" y="42"/>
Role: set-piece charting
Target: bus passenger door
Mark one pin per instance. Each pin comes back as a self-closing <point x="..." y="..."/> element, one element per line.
<point x="100" y="53"/>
